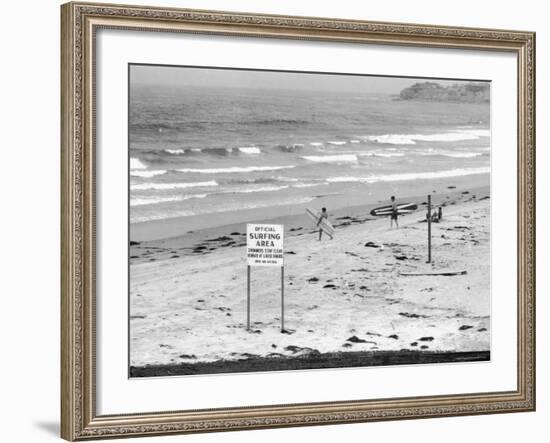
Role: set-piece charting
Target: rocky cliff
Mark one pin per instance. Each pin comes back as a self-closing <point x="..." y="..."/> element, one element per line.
<point x="473" y="92"/>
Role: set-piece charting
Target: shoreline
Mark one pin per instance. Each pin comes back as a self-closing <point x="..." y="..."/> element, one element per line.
<point x="337" y="204"/>
<point x="233" y="235"/>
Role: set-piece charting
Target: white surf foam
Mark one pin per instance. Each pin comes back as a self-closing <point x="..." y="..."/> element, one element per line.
<point x="187" y="213"/>
<point x="142" y="201"/>
<point x="250" y="150"/>
<point x="234" y="169"/>
<point x="136" y="163"/>
<point x="262" y="189"/>
<point x="461" y="154"/>
<point x="344" y="158"/>
<point x="411" y="176"/>
<point x="392" y="139"/>
<point x="411" y="139"/>
<point x="166" y="186"/>
<point x="337" y="143"/>
<point x="147" y="174"/>
<point x="382" y="154"/>
<point x="175" y="151"/>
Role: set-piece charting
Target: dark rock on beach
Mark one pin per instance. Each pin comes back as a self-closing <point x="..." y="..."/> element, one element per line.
<point x="409" y="315"/>
<point x="371" y="244"/>
<point x="355" y="339"/>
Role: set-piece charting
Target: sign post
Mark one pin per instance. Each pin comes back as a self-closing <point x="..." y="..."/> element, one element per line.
<point x="429" y="228"/>
<point x="248" y="297"/>
<point x="264" y="247"/>
<point x="282" y="298"/>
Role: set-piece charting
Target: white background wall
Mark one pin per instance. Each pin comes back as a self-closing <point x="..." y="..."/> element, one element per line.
<point x="29" y="218"/>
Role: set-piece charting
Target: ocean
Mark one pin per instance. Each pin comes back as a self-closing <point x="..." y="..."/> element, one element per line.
<point x="200" y="151"/>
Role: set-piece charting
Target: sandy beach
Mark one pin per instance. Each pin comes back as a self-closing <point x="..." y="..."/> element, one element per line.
<point x="350" y="301"/>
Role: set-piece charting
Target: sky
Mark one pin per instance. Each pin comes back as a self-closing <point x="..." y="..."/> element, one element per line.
<point x="201" y="77"/>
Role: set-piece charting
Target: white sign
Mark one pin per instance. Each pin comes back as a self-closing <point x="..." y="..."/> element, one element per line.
<point x="264" y="245"/>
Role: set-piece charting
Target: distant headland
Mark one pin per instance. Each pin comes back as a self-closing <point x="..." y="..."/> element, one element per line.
<point x="473" y="92"/>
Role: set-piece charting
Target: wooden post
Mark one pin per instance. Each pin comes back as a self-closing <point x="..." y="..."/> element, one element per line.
<point x="248" y="298"/>
<point x="429" y="228"/>
<point x="282" y="299"/>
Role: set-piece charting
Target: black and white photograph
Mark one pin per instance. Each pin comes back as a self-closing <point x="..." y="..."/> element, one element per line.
<point x="302" y="220"/>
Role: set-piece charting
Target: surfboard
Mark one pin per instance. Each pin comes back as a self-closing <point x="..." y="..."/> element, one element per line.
<point x="402" y="208"/>
<point x="325" y="225"/>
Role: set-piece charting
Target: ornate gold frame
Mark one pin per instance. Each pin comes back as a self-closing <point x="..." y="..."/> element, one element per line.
<point x="79" y="21"/>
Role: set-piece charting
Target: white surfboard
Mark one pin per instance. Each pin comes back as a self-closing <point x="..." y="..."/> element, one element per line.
<point x="325" y="225"/>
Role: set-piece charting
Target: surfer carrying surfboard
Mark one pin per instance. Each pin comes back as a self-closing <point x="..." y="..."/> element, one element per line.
<point x="322" y="216"/>
<point x="394" y="213"/>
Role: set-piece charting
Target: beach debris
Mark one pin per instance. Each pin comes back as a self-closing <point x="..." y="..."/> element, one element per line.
<point x="298" y="350"/>
<point x="371" y="244"/>
<point x="222" y="238"/>
<point x="188" y="356"/>
<point x="330" y="286"/>
<point x="137" y="317"/>
<point x="134" y="243"/>
<point x="353" y="254"/>
<point x="288" y="331"/>
<point x="433" y="273"/>
<point x="465" y="192"/>
<point x="413" y="315"/>
<point x="414" y="343"/>
<point x="355" y="339"/>
<point x="394" y="336"/>
<point x="347" y="345"/>
<point x="312" y="280"/>
<point x="482" y="330"/>
<point x="465" y="327"/>
<point x="400" y="257"/>
<point x="424" y="347"/>
<point x="235" y="233"/>
<point x="290" y="252"/>
<point x="426" y="339"/>
<point x="451" y="187"/>
<point x="246" y="355"/>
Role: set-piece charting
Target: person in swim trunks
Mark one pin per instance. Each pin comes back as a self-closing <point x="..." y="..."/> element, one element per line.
<point x="394" y="213"/>
<point x="324" y="215"/>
